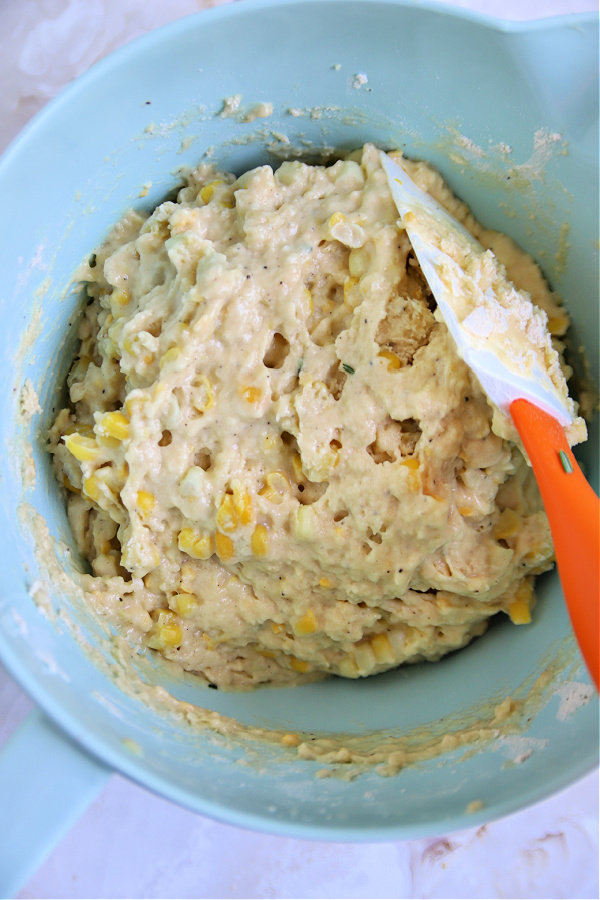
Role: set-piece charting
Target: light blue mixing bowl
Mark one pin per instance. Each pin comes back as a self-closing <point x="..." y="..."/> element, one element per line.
<point x="509" y="114"/>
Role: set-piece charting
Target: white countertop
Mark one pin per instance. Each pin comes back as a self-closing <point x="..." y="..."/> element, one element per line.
<point x="131" y="843"/>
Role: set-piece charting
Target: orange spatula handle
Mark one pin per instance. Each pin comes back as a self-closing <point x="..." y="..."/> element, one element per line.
<point x="573" y="510"/>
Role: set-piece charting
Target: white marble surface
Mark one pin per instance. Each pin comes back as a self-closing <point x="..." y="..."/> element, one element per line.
<point x="133" y="844"/>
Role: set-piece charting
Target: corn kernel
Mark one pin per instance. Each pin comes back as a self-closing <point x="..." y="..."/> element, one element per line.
<point x="187" y="578"/>
<point x="224" y="546"/>
<point x="145" y="502"/>
<point x="346" y="231"/>
<point x="136" y="348"/>
<point x="519" y="612"/>
<point x="259" y="540"/>
<point x="251" y="394"/>
<point x="557" y="324"/>
<point x="210" y="644"/>
<point x="209" y="189"/>
<point x="365" y="657"/>
<point x="507" y="524"/>
<point x="203" y="397"/>
<point x="348" y="668"/>
<point x="299" y="665"/>
<point x="305" y="522"/>
<point x="382" y="648"/>
<point x="242" y="504"/>
<point x="290" y="740"/>
<point x="297" y="466"/>
<point x="358" y="262"/>
<point x="466" y="511"/>
<point x="118" y="303"/>
<point x="80" y="368"/>
<point x="159" y="391"/>
<point x="519" y="609"/>
<point x="336" y="219"/>
<point x="268" y="443"/>
<point x="410" y="463"/>
<point x="169" y="356"/>
<point x="196" y="545"/>
<point x="307" y="624"/>
<point x="227" y="519"/>
<point x="183" y="604"/>
<point x="325" y="583"/>
<point x="135" y="401"/>
<point x="115" y="425"/>
<point x="69" y="486"/>
<point x="83" y="448"/>
<point x="277" y="628"/>
<point x="397" y="639"/>
<point x="275" y="488"/>
<point x="309" y="301"/>
<point x="393" y="361"/>
<point x="186" y="539"/>
<point x="166" y="631"/>
<point x="91" y="487"/>
<point x="349" y="283"/>
<point x="119" y="297"/>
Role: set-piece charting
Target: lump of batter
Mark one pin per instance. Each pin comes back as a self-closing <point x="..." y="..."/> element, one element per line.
<point x="276" y="463"/>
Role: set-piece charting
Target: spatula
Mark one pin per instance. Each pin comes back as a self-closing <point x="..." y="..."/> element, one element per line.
<point x="497" y="333"/>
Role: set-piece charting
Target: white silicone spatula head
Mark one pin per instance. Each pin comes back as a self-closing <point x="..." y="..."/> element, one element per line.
<point x="498" y="332"/>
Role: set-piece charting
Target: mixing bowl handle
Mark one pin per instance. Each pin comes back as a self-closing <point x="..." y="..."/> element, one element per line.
<point x="46" y="783"/>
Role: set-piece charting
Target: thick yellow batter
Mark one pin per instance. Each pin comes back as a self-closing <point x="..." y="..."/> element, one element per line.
<point x="276" y="463"/>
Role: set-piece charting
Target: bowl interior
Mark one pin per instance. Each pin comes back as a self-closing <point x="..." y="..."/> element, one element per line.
<point x="509" y="115"/>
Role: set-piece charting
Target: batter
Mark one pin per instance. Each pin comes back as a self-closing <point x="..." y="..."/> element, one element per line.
<point x="276" y="463"/>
